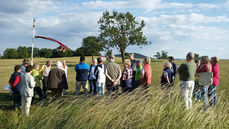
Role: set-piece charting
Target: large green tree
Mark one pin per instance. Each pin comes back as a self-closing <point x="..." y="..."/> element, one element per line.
<point x="47" y="53"/>
<point x="120" y="30"/>
<point x="91" y="46"/>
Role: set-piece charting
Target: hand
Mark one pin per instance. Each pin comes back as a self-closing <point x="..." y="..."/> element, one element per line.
<point x="115" y="84"/>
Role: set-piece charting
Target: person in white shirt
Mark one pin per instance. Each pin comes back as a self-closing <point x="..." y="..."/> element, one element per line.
<point x="28" y="84"/>
<point x="45" y="69"/>
<point x="100" y="76"/>
<point x="65" y="68"/>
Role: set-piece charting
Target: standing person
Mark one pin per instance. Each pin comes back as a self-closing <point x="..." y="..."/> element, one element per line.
<point x="167" y="78"/>
<point x="113" y="75"/>
<point x="127" y="74"/>
<point x="212" y="88"/>
<point x="27" y="91"/>
<point x="100" y="76"/>
<point x="65" y="68"/>
<point x="57" y="81"/>
<point x="204" y="66"/>
<point x="91" y="77"/>
<point x="82" y="76"/>
<point x="133" y="67"/>
<point x="15" y="85"/>
<point x="186" y="73"/>
<point x="146" y="73"/>
<point x="45" y="69"/>
<point x="24" y="65"/>
<point x="138" y="72"/>
<point x="38" y="77"/>
<point x="174" y="67"/>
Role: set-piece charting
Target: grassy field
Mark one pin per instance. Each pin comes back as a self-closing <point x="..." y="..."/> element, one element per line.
<point x="139" y="109"/>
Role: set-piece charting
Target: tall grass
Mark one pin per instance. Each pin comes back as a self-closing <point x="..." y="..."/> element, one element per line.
<point x="139" y="109"/>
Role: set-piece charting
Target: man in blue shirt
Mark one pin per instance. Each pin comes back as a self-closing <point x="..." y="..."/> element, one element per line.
<point x="82" y="75"/>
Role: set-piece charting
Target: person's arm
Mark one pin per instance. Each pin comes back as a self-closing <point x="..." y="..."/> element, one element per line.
<point x="142" y="73"/>
<point x="167" y="79"/>
<point x="106" y="73"/>
<point x="76" y="68"/>
<point x="120" y="75"/>
<point x="65" y="82"/>
<point x="32" y="82"/>
<point x="202" y="68"/>
<point x="17" y="80"/>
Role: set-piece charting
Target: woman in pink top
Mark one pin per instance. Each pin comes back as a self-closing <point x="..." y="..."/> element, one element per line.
<point x="212" y="89"/>
<point x="204" y="66"/>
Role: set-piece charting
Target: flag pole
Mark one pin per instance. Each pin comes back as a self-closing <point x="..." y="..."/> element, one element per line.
<point x="34" y="31"/>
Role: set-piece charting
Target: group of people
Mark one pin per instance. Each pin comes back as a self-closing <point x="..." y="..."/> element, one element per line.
<point x="110" y="75"/>
<point x="26" y="79"/>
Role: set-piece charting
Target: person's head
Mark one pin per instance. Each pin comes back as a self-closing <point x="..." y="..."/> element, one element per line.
<point x="48" y="63"/>
<point x="167" y="65"/>
<point x="59" y="64"/>
<point x="147" y="60"/>
<point x="82" y="59"/>
<point x="138" y="62"/>
<point x="171" y="59"/>
<point x="131" y="56"/>
<point x="63" y="62"/>
<point x="36" y="66"/>
<point x="25" y="62"/>
<point x="29" y="69"/>
<point x="94" y="61"/>
<point x="111" y="57"/>
<point x="190" y="56"/>
<point x="127" y="63"/>
<point x="214" y="60"/>
<point x="197" y="61"/>
<point x="17" y="68"/>
<point x="204" y="60"/>
<point x="99" y="60"/>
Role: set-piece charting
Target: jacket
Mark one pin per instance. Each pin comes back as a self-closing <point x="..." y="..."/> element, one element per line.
<point x="28" y="84"/>
<point x="57" y="79"/>
<point x="38" y="77"/>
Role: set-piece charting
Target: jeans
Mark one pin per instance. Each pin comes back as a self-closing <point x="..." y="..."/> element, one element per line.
<point x="100" y="88"/>
<point x="205" y="97"/>
<point x="40" y="93"/>
<point x="186" y="92"/>
<point x="212" y="95"/>
<point x="92" y="86"/>
<point x="26" y="103"/>
<point x="78" y="86"/>
<point x="45" y="81"/>
<point x="17" y="97"/>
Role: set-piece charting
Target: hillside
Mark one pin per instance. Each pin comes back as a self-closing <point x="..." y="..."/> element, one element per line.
<point x="136" y="55"/>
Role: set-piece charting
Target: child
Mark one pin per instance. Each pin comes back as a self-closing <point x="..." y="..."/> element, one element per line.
<point x="27" y="92"/>
<point x="91" y="77"/>
<point x="197" y="93"/>
<point x="100" y="76"/>
<point x="167" y="77"/>
<point x="38" y="77"/>
<point x="15" y="85"/>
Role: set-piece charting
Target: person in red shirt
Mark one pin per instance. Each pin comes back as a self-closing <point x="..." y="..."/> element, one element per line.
<point x="212" y="89"/>
<point x="15" y="85"/>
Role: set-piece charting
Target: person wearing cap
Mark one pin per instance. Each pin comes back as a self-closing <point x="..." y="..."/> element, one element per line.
<point x="113" y="75"/>
<point x="24" y="65"/>
<point x="57" y="81"/>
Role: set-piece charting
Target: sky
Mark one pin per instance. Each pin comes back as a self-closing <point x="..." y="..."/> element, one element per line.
<point x="175" y="26"/>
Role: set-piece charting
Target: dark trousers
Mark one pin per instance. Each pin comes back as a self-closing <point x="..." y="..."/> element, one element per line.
<point x="126" y="85"/>
<point x="56" y="93"/>
<point x="92" y="86"/>
<point x="45" y="81"/>
<point x="40" y="93"/>
<point x="17" y="97"/>
<point x="113" y="89"/>
<point x="134" y="86"/>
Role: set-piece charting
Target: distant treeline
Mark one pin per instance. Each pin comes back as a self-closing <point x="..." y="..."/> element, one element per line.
<point x="25" y="52"/>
